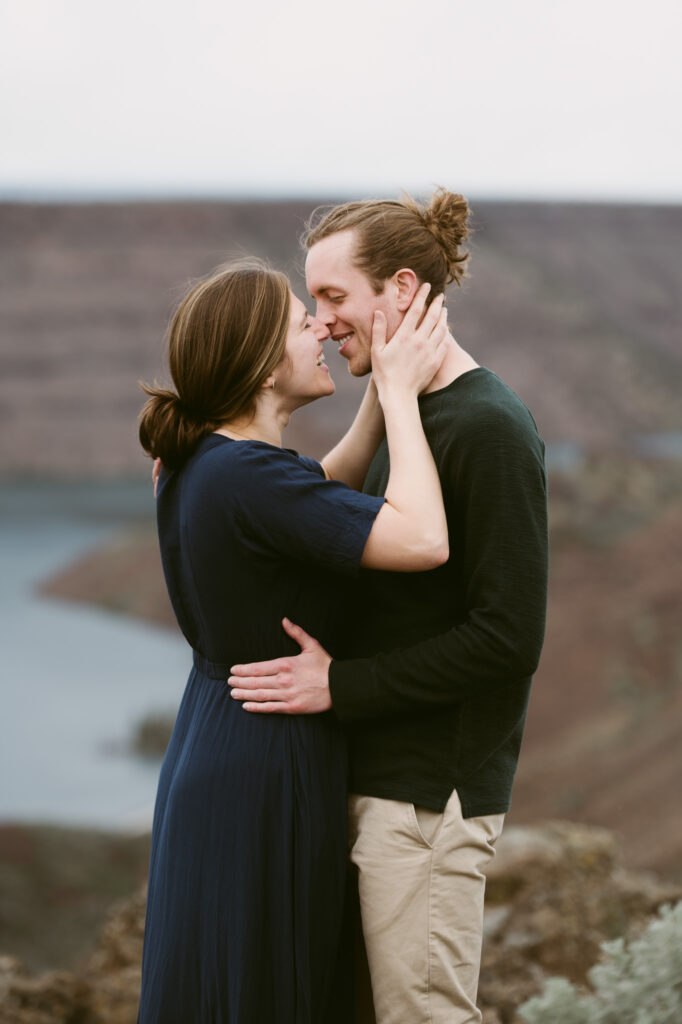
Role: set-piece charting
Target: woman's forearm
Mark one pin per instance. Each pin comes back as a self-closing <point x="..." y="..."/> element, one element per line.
<point x="410" y="533"/>
<point x="413" y="487"/>
<point x="349" y="460"/>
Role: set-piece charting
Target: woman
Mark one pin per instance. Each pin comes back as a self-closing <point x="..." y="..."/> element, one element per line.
<point x="248" y="856"/>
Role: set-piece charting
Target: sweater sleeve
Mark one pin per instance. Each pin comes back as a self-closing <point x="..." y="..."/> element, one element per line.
<point x="497" y="481"/>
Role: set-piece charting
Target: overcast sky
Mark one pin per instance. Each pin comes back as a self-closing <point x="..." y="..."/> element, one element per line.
<point x="530" y="98"/>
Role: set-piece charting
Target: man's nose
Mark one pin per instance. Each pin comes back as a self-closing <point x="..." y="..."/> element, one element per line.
<point x="325" y="313"/>
<point x="320" y="328"/>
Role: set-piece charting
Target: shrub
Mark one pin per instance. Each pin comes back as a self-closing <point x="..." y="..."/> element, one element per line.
<point x="636" y="983"/>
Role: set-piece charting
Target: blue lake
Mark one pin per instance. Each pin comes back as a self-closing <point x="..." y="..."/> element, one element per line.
<point x="75" y="679"/>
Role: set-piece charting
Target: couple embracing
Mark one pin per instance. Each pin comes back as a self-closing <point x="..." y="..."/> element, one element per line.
<point x="364" y="625"/>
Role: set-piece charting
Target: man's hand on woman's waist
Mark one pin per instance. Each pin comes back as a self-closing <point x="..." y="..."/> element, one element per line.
<point x="297" y="685"/>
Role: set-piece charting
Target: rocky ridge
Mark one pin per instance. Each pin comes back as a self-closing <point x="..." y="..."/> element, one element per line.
<point x="576" y="306"/>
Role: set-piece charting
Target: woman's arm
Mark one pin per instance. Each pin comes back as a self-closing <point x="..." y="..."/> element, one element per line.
<point x="349" y="460"/>
<point x="410" y="532"/>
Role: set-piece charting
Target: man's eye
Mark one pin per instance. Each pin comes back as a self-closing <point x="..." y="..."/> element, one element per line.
<point x="336" y="298"/>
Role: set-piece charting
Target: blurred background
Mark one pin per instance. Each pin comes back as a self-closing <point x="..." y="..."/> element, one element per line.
<point x="146" y="143"/>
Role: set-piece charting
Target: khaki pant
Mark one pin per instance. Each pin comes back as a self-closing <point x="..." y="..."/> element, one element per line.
<point x="421" y="888"/>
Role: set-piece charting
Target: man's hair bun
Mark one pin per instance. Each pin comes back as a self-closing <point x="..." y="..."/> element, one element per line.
<point x="446" y="217"/>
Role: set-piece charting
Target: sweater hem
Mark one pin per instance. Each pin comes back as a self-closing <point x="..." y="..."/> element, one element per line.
<point x="432" y="800"/>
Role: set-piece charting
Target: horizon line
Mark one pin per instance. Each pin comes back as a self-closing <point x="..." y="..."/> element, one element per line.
<point x="73" y="195"/>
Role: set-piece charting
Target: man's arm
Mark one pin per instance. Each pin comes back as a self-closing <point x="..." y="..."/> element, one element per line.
<point x="502" y="489"/>
<point x="505" y="567"/>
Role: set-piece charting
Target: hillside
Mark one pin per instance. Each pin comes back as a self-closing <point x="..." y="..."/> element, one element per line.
<point x="604" y="737"/>
<point x="576" y="306"/>
<point x="604" y="732"/>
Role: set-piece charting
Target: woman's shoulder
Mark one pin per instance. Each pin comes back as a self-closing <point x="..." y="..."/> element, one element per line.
<point x="242" y="459"/>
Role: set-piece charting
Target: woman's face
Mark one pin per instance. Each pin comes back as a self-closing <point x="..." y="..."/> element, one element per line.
<point x="304" y="376"/>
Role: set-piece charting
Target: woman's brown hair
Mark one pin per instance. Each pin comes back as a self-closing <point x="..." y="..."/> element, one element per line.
<point x="391" y="234"/>
<point x="225" y="339"/>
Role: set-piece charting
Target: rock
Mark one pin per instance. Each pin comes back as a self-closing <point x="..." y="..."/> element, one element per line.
<point x="54" y="998"/>
<point x="555" y="892"/>
<point x="114" y="970"/>
<point x="106" y="991"/>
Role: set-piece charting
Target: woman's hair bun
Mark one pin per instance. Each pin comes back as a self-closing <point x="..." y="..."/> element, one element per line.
<point x="168" y="428"/>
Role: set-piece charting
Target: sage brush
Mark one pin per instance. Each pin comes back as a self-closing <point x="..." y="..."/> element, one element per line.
<point x="636" y="983"/>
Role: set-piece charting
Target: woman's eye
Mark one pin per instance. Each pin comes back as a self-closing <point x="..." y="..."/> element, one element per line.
<point x="336" y="298"/>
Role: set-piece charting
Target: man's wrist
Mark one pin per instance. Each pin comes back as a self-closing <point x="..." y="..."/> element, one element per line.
<point x="329" y="680"/>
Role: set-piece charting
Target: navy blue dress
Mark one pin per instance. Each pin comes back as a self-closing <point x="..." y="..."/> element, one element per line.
<point x="248" y="860"/>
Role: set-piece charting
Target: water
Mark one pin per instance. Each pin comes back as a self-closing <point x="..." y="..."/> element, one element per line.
<point x="74" y="679"/>
<point x="566" y="455"/>
<point x="659" y="446"/>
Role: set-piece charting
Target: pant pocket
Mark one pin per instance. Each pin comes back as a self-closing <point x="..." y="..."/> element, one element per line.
<point x="428" y="824"/>
<point x="491" y="825"/>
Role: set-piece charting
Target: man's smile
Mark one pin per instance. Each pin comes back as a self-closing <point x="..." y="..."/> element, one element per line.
<point x="342" y="340"/>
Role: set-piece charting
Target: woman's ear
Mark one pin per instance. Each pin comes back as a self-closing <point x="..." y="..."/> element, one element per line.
<point x="406" y="285"/>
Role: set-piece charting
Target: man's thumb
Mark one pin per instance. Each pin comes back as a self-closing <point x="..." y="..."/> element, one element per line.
<point x="303" y="639"/>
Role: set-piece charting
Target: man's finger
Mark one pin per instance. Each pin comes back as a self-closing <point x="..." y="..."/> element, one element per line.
<point x="252" y="682"/>
<point x="271" y="708"/>
<point x="303" y="639"/>
<point x="260" y="696"/>
<point x="260" y="668"/>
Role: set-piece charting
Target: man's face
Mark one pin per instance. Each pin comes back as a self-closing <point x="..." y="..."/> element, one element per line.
<point x="346" y="300"/>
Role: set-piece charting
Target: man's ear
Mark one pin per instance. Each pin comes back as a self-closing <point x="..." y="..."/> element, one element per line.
<point x="406" y="285"/>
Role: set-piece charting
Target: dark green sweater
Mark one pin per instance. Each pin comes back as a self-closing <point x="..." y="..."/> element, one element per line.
<point x="443" y="703"/>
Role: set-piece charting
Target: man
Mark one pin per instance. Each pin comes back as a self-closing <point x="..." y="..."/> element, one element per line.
<point x="434" y="696"/>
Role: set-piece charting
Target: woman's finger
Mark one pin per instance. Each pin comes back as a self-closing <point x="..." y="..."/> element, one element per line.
<point x="432" y="315"/>
<point x="378" y="331"/>
<point x="416" y="308"/>
<point x="440" y="328"/>
<point x="156" y="473"/>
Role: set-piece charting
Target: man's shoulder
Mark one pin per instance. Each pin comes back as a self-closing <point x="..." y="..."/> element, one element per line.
<point x="479" y="403"/>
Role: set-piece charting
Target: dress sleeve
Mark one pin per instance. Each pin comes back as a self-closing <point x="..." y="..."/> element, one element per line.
<point x="286" y="508"/>
<point x="312" y="464"/>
